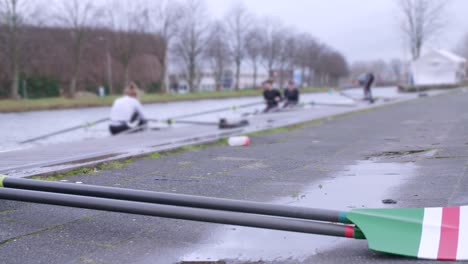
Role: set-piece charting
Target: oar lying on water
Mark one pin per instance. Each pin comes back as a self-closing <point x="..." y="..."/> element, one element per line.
<point x="90" y="124"/>
<point x="347" y="96"/>
<point x="234" y="107"/>
<point x="297" y="107"/>
<point x="432" y="233"/>
<point x="222" y="124"/>
<point x="330" y="104"/>
<point x="188" y="122"/>
<point x="86" y="125"/>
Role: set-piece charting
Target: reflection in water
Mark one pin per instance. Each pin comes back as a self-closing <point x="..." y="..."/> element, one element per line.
<point x="362" y="185"/>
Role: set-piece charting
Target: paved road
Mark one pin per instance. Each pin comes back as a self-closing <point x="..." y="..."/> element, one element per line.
<point x="414" y="152"/>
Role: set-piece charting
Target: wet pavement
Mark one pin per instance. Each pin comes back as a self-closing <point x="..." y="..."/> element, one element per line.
<point x="413" y="152"/>
<point x="243" y="243"/>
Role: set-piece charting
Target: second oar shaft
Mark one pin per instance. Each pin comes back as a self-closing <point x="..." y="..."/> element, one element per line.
<point x="177" y="200"/>
<point x="88" y="124"/>
<point x="184" y="213"/>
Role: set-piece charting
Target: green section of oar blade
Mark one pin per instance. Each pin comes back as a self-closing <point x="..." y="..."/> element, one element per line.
<point x="394" y="231"/>
<point x="358" y="234"/>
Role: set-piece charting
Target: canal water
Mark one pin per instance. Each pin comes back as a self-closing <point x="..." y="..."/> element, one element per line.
<point x="18" y="127"/>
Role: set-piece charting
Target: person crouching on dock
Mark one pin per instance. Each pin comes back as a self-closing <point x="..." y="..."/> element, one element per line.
<point x="272" y="97"/>
<point x="291" y="95"/>
<point x="127" y="111"/>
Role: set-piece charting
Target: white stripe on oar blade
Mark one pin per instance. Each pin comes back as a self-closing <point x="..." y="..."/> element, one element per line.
<point x="462" y="252"/>
<point x="429" y="247"/>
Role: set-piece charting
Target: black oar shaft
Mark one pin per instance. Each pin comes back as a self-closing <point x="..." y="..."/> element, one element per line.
<point x="172" y="121"/>
<point x="215" y="111"/>
<point x="183" y="213"/>
<point x="177" y="200"/>
<point x="200" y="123"/>
<point x="333" y="104"/>
<point x="89" y="124"/>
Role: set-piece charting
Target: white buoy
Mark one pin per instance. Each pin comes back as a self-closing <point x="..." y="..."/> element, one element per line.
<point x="239" y="141"/>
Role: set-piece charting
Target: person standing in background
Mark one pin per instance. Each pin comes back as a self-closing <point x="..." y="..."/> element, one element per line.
<point x="366" y="81"/>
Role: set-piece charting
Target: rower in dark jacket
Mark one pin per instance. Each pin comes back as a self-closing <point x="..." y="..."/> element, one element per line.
<point x="366" y="81"/>
<point x="291" y="95"/>
<point x="272" y="97"/>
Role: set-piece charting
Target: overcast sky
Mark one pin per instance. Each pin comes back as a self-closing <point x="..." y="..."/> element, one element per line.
<point x="361" y="29"/>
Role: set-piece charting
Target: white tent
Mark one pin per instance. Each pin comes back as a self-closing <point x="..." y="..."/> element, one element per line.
<point x="439" y="67"/>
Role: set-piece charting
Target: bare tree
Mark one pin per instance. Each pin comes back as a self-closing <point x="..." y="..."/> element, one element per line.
<point x="309" y="53"/>
<point x="332" y="67"/>
<point x="13" y="16"/>
<point x="286" y="59"/>
<point x="272" y="43"/>
<point x="306" y="55"/>
<point x="217" y="52"/>
<point x="76" y="15"/>
<point x="191" y="39"/>
<point x="162" y="20"/>
<point x="396" y="66"/>
<point x="422" y="20"/>
<point x="126" y="24"/>
<point x="238" y="21"/>
<point x="253" y="48"/>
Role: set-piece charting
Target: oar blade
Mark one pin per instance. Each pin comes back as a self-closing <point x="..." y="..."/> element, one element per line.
<point x="431" y="233"/>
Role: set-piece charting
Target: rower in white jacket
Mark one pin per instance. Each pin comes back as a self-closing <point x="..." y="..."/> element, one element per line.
<point x="127" y="111"/>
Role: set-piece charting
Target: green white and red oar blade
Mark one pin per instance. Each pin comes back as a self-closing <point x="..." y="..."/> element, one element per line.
<point x="430" y="233"/>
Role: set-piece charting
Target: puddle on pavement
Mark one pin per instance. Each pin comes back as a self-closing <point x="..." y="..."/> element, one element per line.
<point x="405" y="153"/>
<point x="365" y="184"/>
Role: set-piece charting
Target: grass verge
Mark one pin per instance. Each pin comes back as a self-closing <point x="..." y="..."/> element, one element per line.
<point x="122" y="164"/>
<point x="7" y="106"/>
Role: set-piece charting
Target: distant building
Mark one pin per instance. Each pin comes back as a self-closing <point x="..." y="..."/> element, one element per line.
<point x="439" y="67"/>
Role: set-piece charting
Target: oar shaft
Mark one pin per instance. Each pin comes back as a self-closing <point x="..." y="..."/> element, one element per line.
<point x="172" y="121"/>
<point x="183" y="213"/>
<point x="215" y="111"/>
<point x="89" y="124"/>
<point x="201" y="123"/>
<point x="333" y="104"/>
<point x="177" y="200"/>
<point x="347" y="95"/>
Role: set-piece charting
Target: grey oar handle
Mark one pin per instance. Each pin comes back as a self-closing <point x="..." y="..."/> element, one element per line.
<point x="175" y="212"/>
<point x="177" y="200"/>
